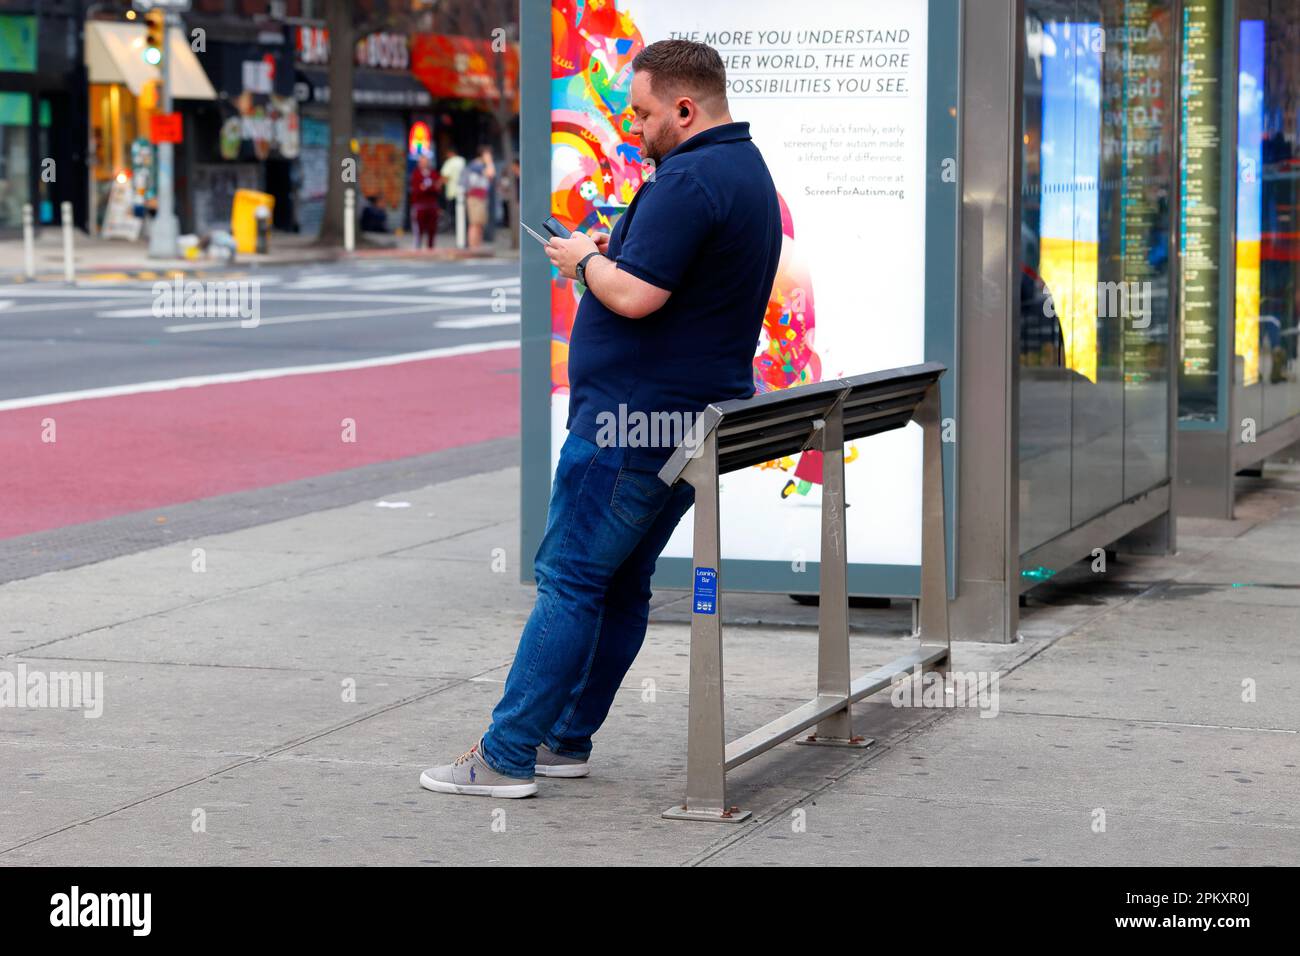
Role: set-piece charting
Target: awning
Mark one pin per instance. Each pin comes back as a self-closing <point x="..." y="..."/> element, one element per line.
<point x="459" y="67"/>
<point x="115" y="54"/>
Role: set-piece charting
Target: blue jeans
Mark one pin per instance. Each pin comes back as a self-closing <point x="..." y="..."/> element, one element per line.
<point x="605" y="528"/>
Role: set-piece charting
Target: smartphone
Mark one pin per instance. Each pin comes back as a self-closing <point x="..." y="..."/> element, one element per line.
<point x="556" y="228"/>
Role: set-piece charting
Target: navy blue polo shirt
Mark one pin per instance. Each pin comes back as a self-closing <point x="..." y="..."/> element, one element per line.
<point x="707" y="228"/>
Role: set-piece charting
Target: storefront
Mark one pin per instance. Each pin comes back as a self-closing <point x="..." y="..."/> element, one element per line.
<point x="462" y="75"/>
<point x="388" y="104"/>
<point x="18" y="132"/>
<point x="249" y="138"/>
<point x="477" y="92"/>
<point x="42" y="116"/>
<point x="124" y="93"/>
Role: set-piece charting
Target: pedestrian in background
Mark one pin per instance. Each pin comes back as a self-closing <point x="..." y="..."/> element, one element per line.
<point x="452" y="168"/>
<point x="510" y="199"/>
<point x="426" y="187"/>
<point x="477" y="183"/>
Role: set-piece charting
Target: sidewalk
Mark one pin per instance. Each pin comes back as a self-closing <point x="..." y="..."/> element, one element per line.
<point x="228" y="734"/>
<point x="114" y="259"/>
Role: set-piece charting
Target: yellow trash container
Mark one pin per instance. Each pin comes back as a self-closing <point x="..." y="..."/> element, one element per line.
<point x="250" y="220"/>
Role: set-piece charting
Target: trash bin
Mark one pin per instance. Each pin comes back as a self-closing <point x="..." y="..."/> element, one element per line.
<point x="250" y="219"/>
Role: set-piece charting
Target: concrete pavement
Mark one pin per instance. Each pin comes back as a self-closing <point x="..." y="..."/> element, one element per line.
<point x="279" y="705"/>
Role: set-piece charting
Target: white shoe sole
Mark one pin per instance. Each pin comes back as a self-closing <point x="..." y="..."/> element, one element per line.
<point x="506" y="791"/>
<point x="562" y="770"/>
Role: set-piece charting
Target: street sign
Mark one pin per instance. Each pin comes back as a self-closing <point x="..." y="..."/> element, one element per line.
<point x="165" y="128"/>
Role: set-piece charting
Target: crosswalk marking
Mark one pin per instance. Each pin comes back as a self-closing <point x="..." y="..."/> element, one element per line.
<point x="409" y="281"/>
<point x="334" y="280"/>
<point x="502" y="283"/>
<point x="465" y="282"/>
<point x="479" y="321"/>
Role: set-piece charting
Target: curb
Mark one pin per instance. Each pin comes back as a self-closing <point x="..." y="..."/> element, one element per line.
<point x="129" y="273"/>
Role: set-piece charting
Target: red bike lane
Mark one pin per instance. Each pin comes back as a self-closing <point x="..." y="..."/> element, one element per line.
<point x="116" y="455"/>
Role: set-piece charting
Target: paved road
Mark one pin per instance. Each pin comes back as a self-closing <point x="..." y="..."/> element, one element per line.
<point x="56" y="339"/>
<point x="108" y="408"/>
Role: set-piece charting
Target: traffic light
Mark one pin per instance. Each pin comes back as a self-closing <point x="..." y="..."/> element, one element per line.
<point x="154" y="33"/>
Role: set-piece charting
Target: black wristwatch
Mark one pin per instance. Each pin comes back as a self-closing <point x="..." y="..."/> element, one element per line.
<point x="580" y="270"/>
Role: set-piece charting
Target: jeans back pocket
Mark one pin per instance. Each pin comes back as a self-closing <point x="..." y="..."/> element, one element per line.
<point x="638" y="496"/>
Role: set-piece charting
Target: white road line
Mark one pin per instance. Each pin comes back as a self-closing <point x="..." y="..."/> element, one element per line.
<point x="35" y="292"/>
<point x="431" y="282"/>
<point x="127" y="314"/>
<point x="503" y="283"/>
<point x="22" y="308"/>
<point x="236" y="322"/>
<point x="222" y="378"/>
<point x="321" y="282"/>
<point x="478" y="321"/>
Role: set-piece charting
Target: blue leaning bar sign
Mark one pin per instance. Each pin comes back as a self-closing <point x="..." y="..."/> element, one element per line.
<point x="706" y="591"/>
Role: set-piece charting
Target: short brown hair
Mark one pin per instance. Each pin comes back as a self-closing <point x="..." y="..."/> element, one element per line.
<point x="683" y="65"/>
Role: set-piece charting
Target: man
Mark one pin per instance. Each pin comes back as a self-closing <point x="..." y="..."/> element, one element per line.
<point x="669" y="323"/>
<point x="452" y="167"/>
<point x="477" y="184"/>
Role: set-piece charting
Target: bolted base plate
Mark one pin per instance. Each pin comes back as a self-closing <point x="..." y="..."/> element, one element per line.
<point x="861" y="743"/>
<point x="679" y="812"/>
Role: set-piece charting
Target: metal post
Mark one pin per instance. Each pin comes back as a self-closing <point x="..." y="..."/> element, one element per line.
<point x="162" y="237"/>
<point x="834" y="674"/>
<point x="349" y="219"/>
<point x="69" y="271"/>
<point x="706" y="771"/>
<point x="934" y="561"/>
<point x="460" y="220"/>
<point x="29" y="241"/>
<point x="986" y="606"/>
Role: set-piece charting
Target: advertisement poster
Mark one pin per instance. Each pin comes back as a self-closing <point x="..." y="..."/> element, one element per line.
<point x="1071" y="171"/>
<point x="1250" y="193"/>
<point x="836" y="99"/>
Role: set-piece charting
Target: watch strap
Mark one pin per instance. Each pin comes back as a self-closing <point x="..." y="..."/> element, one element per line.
<point x="580" y="270"/>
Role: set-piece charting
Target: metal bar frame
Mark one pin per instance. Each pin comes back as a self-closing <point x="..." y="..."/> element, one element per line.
<point x="709" y="756"/>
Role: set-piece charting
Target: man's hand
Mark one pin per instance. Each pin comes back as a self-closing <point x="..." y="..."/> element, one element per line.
<point x="621" y="292"/>
<point x="565" y="254"/>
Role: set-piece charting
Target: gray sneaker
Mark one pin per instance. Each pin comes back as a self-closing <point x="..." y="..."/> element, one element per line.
<point x="553" y="765"/>
<point x="469" y="774"/>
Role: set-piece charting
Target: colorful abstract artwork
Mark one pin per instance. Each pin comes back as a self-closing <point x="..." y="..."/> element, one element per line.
<point x="786" y="356"/>
<point x="595" y="160"/>
<point x="596" y="169"/>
